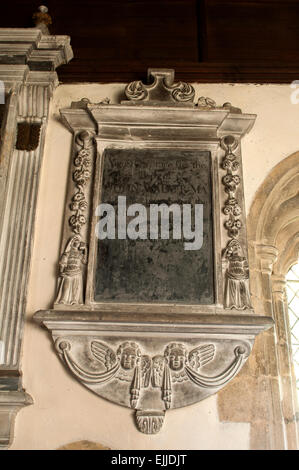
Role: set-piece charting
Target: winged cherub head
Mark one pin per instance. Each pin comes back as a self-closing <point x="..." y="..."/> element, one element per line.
<point x="176" y="354"/>
<point x="129" y="354"/>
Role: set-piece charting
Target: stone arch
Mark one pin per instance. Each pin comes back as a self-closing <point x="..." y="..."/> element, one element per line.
<point x="273" y="236"/>
<point x="276" y="201"/>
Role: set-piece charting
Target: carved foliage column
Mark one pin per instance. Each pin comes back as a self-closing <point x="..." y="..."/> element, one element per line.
<point x="74" y="250"/>
<point x="234" y="256"/>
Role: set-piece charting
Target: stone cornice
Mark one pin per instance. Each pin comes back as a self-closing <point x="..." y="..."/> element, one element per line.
<point x="16" y="75"/>
<point x="31" y="47"/>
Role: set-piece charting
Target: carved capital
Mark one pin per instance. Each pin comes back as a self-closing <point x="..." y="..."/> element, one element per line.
<point x="267" y="255"/>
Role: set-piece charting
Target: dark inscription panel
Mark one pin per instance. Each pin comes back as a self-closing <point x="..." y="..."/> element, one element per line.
<point x="156" y="270"/>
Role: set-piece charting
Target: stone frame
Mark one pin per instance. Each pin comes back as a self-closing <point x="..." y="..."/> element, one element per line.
<point x="158" y="115"/>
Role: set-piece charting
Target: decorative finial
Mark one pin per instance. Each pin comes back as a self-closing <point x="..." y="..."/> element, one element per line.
<point x="42" y="19"/>
<point x="163" y="90"/>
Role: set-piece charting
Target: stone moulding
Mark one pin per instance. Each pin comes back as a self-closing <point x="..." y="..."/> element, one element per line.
<point x="152" y="357"/>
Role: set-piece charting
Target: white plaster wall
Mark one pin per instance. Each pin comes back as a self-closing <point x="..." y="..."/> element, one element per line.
<point x="64" y="411"/>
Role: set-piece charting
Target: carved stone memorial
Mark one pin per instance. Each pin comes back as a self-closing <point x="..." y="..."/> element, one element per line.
<point x="152" y="309"/>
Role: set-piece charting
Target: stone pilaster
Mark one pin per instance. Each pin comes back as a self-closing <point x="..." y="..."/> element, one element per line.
<point x="28" y="91"/>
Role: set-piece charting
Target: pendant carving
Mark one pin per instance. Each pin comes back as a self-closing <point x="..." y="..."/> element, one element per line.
<point x="236" y="288"/>
<point x="231" y="180"/>
<point x="149" y="422"/>
<point x="81" y="176"/>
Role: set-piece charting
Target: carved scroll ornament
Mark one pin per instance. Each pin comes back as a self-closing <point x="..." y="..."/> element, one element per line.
<point x="163" y="89"/>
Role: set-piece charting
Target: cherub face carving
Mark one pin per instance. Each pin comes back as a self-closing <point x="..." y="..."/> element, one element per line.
<point x="128" y="358"/>
<point x="129" y="355"/>
<point x="175" y="353"/>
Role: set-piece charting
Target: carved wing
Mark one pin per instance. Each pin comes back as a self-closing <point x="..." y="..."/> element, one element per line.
<point x="103" y="354"/>
<point x="201" y="355"/>
<point x="146" y="367"/>
<point x="158" y="364"/>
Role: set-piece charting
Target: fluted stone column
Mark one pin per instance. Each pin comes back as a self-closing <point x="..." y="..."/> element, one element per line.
<point x="28" y="90"/>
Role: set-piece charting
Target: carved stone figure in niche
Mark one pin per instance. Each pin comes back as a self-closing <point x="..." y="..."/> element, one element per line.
<point x="70" y="290"/>
<point x="236" y="294"/>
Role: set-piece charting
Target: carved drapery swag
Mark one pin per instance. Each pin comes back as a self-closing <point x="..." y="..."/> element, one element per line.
<point x="165" y="351"/>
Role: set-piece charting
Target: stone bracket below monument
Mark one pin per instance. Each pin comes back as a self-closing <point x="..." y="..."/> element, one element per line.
<point x="155" y="365"/>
